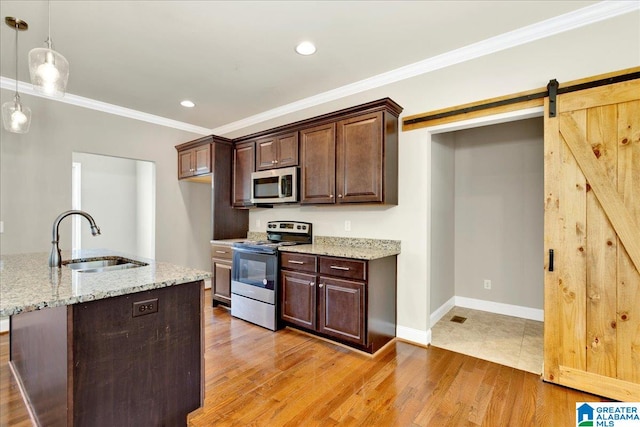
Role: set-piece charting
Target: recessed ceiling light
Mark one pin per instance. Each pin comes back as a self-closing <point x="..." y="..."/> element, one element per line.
<point x="306" y="48"/>
<point x="187" y="103"/>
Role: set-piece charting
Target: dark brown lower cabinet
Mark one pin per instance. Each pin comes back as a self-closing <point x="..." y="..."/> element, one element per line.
<point x="298" y="298"/>
<point x="342" y="309"/>
<point x="221" y="256"/>
<point x="347" y="300"/>
<point x="99" y="364"/>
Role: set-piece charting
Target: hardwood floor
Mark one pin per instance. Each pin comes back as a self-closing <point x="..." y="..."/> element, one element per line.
<point x="256" y="377"/>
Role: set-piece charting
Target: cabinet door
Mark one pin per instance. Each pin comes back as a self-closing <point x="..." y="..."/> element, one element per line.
<point x="185" y="165"/>
<point x="287" y="150"/>
<point x="202" y="159"/>
<point x="298" y="298"/>
<point x="318" y="152"/>
<point x="341" y="309"/>
<point x="266" y="153"/>
<point x="221" y="281"/>
<point x="359" y="156"/>
<point x="243" y="165"/>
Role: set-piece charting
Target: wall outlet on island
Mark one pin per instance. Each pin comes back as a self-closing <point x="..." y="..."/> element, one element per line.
<point x="258" y="224"/>
<point x="347" y="225"/>
<point x="487" y="284"/>
<point x="1" y="227"/>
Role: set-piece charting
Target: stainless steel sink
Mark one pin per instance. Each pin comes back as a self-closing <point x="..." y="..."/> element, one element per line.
<point x="102" y="264"/>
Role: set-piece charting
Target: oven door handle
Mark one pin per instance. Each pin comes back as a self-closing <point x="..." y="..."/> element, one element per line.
<point x="252" y="251"/>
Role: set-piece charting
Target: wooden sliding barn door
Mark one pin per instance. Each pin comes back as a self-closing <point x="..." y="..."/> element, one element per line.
<point x="592" y="224"/>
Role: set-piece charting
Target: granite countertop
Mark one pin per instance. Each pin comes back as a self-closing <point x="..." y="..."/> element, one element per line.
<point x="356" y="248"/>
<point x="27" y="283"/>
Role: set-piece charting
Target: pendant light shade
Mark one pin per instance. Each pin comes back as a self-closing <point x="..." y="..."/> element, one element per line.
<point x="16" y="117"/>
<point x="48" y="69"/>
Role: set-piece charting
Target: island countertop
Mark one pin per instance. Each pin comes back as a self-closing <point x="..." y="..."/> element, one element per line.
<point x="27" y="283"/>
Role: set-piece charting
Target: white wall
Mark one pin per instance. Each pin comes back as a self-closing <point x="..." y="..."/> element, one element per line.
<point x="499" y="213"/>
<point x="441" y="245"/>
<point x="577" y="54"/>
<point x="36" y="172"/>
<point x="109" y="195"/>
<point x="35" y="179"/>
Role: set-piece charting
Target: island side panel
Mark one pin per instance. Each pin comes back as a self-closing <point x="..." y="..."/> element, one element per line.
<point x="144" y="370"/>
<point x="38" y="357"/>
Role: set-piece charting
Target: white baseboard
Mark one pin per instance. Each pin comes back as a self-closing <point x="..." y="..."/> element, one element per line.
<point x="442" y="310"/>
<point x="500" y="308"/>
<point x="414" y="335"/>
<point x="4" y="324"/>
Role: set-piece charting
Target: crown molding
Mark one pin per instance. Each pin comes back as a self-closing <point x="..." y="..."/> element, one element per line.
<point x="80" y="101"/>
<point x="559" y="24"/>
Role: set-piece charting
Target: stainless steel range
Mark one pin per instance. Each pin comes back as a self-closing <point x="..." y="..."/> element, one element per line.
<point x="254" y="274"/>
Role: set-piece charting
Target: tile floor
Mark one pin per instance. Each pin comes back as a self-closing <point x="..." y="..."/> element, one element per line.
<point x="506" y="340"/>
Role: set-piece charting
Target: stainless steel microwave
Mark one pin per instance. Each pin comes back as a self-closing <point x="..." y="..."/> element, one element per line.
<point x="275" y="186"/>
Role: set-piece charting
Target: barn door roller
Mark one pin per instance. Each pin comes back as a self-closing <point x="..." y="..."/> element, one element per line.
<point x="552" y="88"/>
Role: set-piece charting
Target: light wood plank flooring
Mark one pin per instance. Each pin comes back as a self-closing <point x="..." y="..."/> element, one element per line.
<point x="257" y="377"/>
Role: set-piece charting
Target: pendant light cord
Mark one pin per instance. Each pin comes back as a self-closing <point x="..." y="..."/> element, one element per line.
<point x="16" y="28"/>
<point x="49" y="41"/>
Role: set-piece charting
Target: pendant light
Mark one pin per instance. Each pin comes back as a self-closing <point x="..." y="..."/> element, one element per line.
<point x="48" y="69"/>
<point x="16" y="118"/>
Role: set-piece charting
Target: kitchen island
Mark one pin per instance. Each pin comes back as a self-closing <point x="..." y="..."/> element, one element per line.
<point x="104" y="348"/>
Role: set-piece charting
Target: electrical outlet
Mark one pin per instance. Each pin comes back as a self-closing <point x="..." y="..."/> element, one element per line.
<point x="347" y="226"/>
<point x="1" y="227"/>
<point x="140" y="308"/>
<point x="258" y="224"/>
<point x="487" y="284"/>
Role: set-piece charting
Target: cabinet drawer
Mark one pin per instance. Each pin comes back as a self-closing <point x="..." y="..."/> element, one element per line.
<point x="343" y="267"/>
<point x="221" y="251"/>
<point x="300" y="262"/>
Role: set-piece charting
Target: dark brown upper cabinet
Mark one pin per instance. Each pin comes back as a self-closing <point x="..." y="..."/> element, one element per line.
<point x="194" y="158"/>
<point x="354" y="160"/>
<point x="318" y="159"/>
<point x="277" y="151"/>
<point x="243" y="165"/>
<point x="216" y="152"/>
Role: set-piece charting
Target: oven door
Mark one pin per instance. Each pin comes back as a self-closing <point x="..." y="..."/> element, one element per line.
<point x="254" y="274"/>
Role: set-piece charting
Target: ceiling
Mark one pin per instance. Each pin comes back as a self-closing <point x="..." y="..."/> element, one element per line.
<point x="236" y="59"/>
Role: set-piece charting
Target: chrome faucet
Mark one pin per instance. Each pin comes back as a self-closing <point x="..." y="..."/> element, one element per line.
<point x="55" y="259"/>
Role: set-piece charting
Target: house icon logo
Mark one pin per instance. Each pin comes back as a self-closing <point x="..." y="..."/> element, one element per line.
<point x="584" y="415"/>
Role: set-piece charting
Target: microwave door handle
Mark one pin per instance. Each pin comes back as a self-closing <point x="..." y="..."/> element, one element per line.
<point x="281" y="189"/>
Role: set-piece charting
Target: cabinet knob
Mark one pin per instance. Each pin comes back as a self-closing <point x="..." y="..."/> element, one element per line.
<point x="339" y="196"/>
<point x="321" y="285"/>
<point x="312" y="283"/>
<point x="331" y="196"/>
<point x="275" y="161"/>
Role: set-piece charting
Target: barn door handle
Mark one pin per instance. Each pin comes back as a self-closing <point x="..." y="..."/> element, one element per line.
<point x="550" y="259"/>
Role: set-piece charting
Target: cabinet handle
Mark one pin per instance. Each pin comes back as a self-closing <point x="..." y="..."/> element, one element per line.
<point x="221" y="252"/>
<point x="312" y="283"/>
<point x="275" y="161"/>
<point x="339" y="196"/>
<point x="321" y="285"/>
<point x="331" y="196"/>
<point x="337" y="267"/>
<point x="295" y="262"/>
